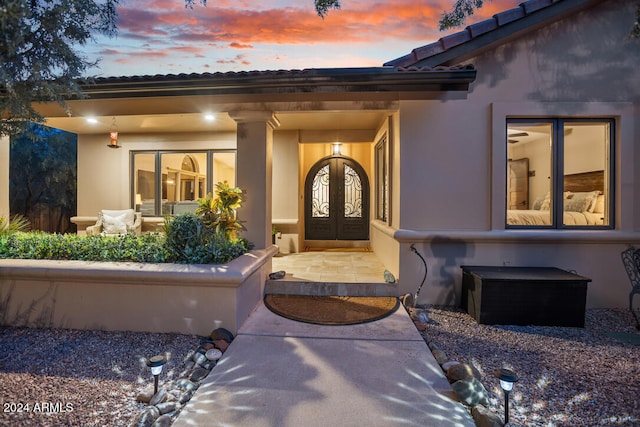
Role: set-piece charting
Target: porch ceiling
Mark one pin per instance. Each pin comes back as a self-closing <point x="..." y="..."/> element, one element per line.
<point x="197" y="122"/>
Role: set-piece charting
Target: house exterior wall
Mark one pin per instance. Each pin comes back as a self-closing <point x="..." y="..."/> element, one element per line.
<point x="4" y="177"/>
<point x="104" y="173"/>
<point x="453" y="158"/>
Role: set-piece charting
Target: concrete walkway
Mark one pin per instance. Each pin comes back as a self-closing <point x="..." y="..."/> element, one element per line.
<point x="282" y="373"/>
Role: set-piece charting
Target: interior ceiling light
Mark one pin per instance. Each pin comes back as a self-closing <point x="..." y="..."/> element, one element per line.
<point x="92" y="120"/>
<point x="209" y="117"/>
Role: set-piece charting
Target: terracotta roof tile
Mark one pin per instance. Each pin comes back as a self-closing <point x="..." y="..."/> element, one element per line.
<point x="473" y="31"/>
<point x="503" y="18"/>
<point x="455" y="39"/>
<point x="482" y="27"/>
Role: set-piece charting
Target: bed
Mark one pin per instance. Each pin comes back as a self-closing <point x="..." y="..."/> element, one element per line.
<point x="584" y="203"/>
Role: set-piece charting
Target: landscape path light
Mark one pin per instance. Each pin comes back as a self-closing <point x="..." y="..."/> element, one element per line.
<point x="156" y="363"/>
<point x="507" y="378"/>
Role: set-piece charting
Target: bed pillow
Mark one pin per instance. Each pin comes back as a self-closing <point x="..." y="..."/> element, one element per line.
<point x="599" y="206"/>
<point x="115" y="222"/>
<point x="581" y="201"/>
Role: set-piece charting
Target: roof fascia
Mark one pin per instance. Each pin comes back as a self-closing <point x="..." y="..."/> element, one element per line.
<point x="530" y="22"/>
<point x="341" y="80"/>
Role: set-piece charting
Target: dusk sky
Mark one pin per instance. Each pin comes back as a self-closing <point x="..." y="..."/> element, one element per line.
<point x="162" y="37"/>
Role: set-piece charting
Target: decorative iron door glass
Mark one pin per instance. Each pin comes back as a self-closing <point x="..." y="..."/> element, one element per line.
<point x="337" y="200"/>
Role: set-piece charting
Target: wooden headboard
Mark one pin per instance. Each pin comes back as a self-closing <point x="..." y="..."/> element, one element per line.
<point x="585" y="181"/>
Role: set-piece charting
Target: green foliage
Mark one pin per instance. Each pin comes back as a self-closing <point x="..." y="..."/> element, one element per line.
<point x="192" y="241"/>
<point x="13" y="225"/>
<point x="460" y="12"/>
<point x="219" y="214"/>
<point x="43" y="175"/>
<point x="148" y="247"/>
<point x="38" y="57"/>
<point x="323" y="6"/>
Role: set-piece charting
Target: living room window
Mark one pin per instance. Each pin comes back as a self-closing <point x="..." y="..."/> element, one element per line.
<point x="559" y="173"/>
<point x="171" y="182"/>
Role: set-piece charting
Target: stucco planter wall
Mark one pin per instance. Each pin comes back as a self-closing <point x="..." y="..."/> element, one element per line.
<point x="190" y="299"/>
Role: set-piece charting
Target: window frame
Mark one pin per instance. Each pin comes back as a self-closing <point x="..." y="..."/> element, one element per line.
<point x="382" y="191"/>
<point x="209" y="172"/>
<point x="557" y="170"/>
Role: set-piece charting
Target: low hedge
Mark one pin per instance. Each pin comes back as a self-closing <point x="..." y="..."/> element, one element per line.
<point x="197" y="246"/>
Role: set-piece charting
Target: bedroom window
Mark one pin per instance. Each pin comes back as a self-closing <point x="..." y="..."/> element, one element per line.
<point x="382" y="180"/>
<point x="559" y="173"/>
<point x="171" y="182"/>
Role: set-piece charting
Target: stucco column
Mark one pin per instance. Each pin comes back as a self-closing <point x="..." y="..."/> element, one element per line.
<point x="254" y="172"/>
<point x="4" y="176"/>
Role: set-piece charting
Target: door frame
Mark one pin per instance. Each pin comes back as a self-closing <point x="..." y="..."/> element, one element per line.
<point x="357" y="230"/>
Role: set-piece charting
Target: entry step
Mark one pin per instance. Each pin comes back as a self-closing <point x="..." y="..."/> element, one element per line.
<point x="290" y="285"/>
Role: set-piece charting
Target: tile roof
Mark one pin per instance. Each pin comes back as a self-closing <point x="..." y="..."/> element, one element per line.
<point x="364" y="79"/>
<point x="525" y="17"/>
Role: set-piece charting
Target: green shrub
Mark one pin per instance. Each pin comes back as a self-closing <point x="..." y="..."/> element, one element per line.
<point x="129" y="247"/>
<point x="190" y="240"/>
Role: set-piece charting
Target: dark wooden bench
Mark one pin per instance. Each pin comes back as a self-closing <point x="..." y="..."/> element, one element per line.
<point x="545" y="296"/>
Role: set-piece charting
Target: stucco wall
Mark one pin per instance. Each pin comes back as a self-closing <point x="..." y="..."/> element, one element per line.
<point x="104" y="173"/>
<point x="452" y="157"/>
<point x="4" y="176"/>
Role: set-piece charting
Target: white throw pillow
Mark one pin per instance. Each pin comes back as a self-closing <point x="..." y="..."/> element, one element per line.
<point x="116" y="221"/>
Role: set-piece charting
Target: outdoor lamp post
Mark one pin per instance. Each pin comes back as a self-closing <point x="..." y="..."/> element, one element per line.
<point x="507" y="378"/>
<point x="156" y="363"/>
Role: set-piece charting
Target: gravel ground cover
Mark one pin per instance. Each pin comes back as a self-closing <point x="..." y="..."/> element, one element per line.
<point x="567" y="376"/>
<point x="63" y="377"/>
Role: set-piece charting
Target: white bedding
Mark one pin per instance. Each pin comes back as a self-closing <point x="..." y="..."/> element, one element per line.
<point x="538" y="217"/>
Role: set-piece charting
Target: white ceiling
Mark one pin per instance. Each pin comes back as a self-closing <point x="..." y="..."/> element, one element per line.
<point x="196" y="122"/>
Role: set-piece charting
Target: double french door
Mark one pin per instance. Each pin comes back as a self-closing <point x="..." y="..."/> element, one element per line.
<point x="337" y="200"/>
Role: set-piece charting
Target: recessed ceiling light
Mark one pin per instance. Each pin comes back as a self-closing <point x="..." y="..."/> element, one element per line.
<point x="92" y="120"/>
<point x="209" y="117"/>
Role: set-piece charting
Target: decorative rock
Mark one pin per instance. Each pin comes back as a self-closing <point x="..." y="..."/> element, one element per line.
<point x="186" y="385"/>
<point x="221" y="334"/>
<point x="433" y="346"/>
<point x="209" y="365"/>
<point x="221" y="345"/>
<point x="186" y="396"/>
<point x="420" y="326"/>
<point x="213" y="354"/>
<point x="447" y="365"/>
<point x="277" y="275"/>
<point x="147" y="417"/>
<point x="159" y="397"/>
<point x="198" y="374"/>
<point x="166" y="407"/>
<point x="163" y="421"/>
<point x="207" y="345"/>
<point x="471" y="393"/>
<point x="144" y="396"/>
<point x="199" y="358"/>
<point x="485" y="418"/>
<point x="462" y="371"/>
<point x="440" y="356"/>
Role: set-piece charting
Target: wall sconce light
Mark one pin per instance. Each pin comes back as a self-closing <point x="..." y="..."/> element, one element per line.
<point x="507" y="379"/>
<point x="336" y="149"/>
<point x="113" y="135"/>
<point x="156" y="363"/>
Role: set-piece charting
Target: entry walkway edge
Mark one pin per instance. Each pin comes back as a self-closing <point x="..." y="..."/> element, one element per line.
<point x="282" y="373"/>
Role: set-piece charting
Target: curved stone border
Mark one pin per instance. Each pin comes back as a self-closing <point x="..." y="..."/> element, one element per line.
<point x="165" y="406"/>
<point x="465" y="379"/>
